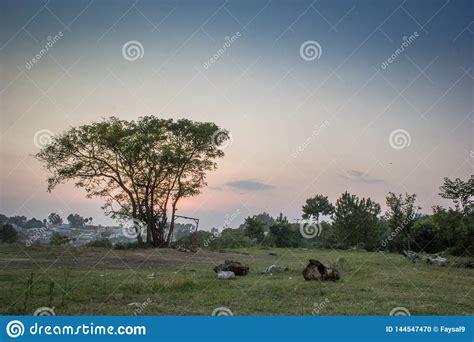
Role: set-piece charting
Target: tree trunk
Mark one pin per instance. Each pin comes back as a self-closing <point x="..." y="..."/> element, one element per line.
<point x="154" y="234"/>
<point x="148" y="235"/>
<point x="170" y="233"/>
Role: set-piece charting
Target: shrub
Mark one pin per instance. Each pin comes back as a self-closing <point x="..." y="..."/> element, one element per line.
<point x="8" y="234"/>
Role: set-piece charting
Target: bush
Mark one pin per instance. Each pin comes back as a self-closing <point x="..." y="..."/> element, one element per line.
<point x="232" y="238"/>
<point x="8" y="234"/>
<point x="285" y="234"/>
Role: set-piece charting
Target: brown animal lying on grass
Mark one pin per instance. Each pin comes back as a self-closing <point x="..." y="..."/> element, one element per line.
<point x="318" y="271"/>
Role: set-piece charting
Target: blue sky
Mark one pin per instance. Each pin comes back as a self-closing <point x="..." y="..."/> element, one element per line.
<point x="274" y="102"/>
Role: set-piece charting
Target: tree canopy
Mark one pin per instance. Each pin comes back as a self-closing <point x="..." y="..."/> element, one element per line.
<point x="459" y="191"/>
<point x="316" y="206"/>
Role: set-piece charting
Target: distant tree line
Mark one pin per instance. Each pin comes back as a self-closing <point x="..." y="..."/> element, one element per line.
<point x="74" y="221"/>
<point x="9" y="234"/>
<point x="354" y="222"/>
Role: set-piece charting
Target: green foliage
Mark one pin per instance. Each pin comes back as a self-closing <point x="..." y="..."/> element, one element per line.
<point x="284" y="234"/>
<point x="460" y="192"/>
<point x="456" y="230"/>
<point x="33" y="223"/>
<point x="8" y="234"/>
<point x="254" y="228"/>
<point x="427" y="236"/>
<point x="230" y="238"/>
<point x="401" y="215"/>
<point x="356" y="222"/>
<point x="75" y="220"/>
<point x="18" y="221"/>
<point x="317" y="206"/>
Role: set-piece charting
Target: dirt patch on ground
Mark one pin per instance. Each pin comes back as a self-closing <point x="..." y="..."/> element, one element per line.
<point x="87" y="258"/>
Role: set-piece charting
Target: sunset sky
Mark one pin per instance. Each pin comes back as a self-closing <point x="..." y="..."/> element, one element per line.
<point x="301" y="125"/>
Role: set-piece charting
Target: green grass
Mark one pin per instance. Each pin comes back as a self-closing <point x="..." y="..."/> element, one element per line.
<point x="104" y="282"/>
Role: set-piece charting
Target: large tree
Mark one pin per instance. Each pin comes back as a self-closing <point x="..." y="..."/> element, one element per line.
<point x="141" y="168"/>
<point x="54" y="219"/>
<point x="401" y="215"/>
<point x="356" y="221"/>
<point x="8" y="233"/>
<point x="75" y="220"/>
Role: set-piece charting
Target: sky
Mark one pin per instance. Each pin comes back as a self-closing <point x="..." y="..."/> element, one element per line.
<point x="319" y="97"/>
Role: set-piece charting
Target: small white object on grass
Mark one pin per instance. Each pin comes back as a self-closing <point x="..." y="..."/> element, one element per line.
<point x="226" y="275"/>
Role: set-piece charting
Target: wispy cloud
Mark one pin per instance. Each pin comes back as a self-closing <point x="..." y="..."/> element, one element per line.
<point x="359" y="176"/>
<point x="249" y="185"/>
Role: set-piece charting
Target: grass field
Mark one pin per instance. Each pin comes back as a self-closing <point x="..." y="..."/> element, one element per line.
<point x="94" y="281"/>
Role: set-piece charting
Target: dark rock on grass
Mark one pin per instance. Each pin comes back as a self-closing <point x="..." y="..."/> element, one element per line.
<point x="272" y="254"/>
<point x="320" y="271"/>
<point x="233" y="266"/>
<point x="469" y="264"/>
